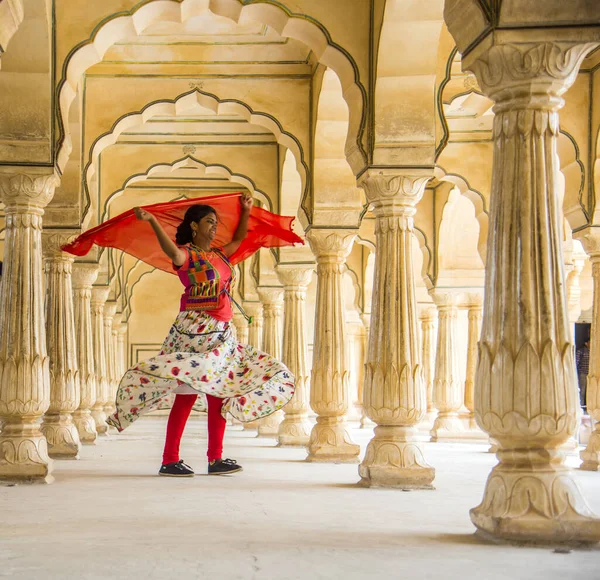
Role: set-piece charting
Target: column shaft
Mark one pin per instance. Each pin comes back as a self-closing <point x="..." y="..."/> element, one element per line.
<point x="526" y="395"/>
<point x="255" y="329"/>
<point x="394" y="391"/>
<point x="591" y="454"/>
<point x="57" y="426"/>
<point x="448" y="388"/>
<point x="329" y="440"/>
<point x="110" y="311"/>
<point x="24" y="362"/>
<point x="84" y="275"/>
<point x="294" y="430"/>
<point x="428" y="317"/>
<point x="99" y="297"/>
<point x="272" y="303"/>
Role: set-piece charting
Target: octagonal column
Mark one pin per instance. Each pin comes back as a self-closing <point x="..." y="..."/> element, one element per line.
<point x="24" y="362"/>
<point x="57" y="425"/>
<point x="272" y="302"/>
<point x="394" y="392"/>
<point x="329" y="440"/>
<point x="110" y="311"/>
<point x="428" y="340"/>
<point x="294" y="430"/>
<point x="590" y="239"/>
<point x="83" y="276"/>
<point x="447" y="385"/>
<point x="526" y="396"/>
<point x="99" y="297"/>
<point x="474" y="313"/>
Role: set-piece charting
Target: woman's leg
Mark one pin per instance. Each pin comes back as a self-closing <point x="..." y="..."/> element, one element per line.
<point x="182" y="407"/>
<point x="216" y="428"/>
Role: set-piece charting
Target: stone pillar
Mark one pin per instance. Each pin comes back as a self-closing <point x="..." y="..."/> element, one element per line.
<point x="272" y="302"/>
<point x="356" y="359"/>
<point x="475" y="313"/>
<point x="241" y="327"/>
<point x="24" y="363"/>
<point x="526" y="396"/>
<point x="428" y="316"/>
<point x="447" y="386"/>
<point x="122" y="349"/>
<point x="255" y="328"/>
<point x="574" y="288"/>
<point x="590" y="238"/>
<point x="294" y="430"/>
<point x="394" y="391"/>
<point x="365" y="422"/>
<point x="329" y="440"/>
<point x="110" y="311"/>
<point x="57" y="425"/>
<point x="84" y="275"/>
<point x="99" y="297"/>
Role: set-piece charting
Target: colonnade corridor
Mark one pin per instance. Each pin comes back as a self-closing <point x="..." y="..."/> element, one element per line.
<point x="110" y="516"/>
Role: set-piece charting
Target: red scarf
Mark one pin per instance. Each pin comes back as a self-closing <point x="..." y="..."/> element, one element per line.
<point x="136" y="237"/>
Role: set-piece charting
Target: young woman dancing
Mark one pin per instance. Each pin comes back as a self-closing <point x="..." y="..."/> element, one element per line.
<point x="201" y="365"/>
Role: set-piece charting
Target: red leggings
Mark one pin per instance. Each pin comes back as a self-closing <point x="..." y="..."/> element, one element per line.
<point x="182" y="407"/>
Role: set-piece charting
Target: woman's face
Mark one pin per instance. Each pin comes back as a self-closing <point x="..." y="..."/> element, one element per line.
<point x="206" y="228"/>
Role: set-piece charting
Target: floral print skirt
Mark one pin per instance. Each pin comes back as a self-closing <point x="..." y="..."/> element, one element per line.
<point x="201" y="356"/>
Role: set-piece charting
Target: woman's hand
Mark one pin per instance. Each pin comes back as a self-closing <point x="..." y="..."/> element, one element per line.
<point x="142" y="214"/>
<point x="246" y="201"/>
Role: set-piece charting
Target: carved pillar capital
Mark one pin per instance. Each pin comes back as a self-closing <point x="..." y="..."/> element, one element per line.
<point x="100" y="296"/>
<point x="110" y="310"/>
<point x="84" y="275"/>
<point x="53" y="240"/>
<point x="29" y="191"/>
<point x="590" y="240"/>
<point x="394" y="193"/>
<point x="530" y="74"/>
<point x="331" y="245"/>
<point x="295" y="275"/>
<point x="270" y="296"/>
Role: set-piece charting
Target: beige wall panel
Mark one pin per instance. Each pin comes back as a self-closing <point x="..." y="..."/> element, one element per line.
<point x="154" y="305"/>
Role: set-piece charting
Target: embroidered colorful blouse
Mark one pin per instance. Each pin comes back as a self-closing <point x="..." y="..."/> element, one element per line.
<point x="208" y="278"/>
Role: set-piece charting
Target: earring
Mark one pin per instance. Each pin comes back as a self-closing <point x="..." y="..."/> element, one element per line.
<point x="193" y="233"/>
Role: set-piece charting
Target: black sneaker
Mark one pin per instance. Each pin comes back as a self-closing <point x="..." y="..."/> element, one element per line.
<point x="223" y="467"/>
<point x="177" y="469"/>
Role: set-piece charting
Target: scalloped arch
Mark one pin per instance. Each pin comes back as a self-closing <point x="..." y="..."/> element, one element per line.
<point x="310" y="32"/>
<point x="180" y="107"/>
<point x="215" y="170"/>
<point x="476" y="199"/>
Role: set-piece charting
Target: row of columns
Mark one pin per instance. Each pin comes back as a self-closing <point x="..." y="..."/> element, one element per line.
<point x="53" y="346"/>
<point x="526" y="396"/>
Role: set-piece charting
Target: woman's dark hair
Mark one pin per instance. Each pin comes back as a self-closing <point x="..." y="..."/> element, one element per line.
<point x="194" y="213"/>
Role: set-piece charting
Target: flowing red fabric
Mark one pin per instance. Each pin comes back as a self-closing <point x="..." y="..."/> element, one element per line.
<point x="136" y="237"/>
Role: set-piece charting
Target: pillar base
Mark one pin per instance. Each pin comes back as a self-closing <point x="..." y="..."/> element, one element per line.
<point x="448" y="427"/>
<point x="24" y="454"/>
<point x="294" y="431"/>
<point x="252" y="426"/>
<point x="62" y="436"/>
<point x="330" y="442"/>
<point x="591" y="454"/>
<point x="86" y="427"/>
<point x="100" y="420"/>
<point x="426" y="424"/>
<point x="365" y="422"/>
<point x="394" y="459"/>
<point x="542" y="505"/>
<point x="269" y="426"/>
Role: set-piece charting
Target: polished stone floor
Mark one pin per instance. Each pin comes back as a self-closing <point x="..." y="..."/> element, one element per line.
<point x="110" y="516"/>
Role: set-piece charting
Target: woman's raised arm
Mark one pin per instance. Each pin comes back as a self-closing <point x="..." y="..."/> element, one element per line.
<point x="242" y="230"/>
<point x="176" y="255"/>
